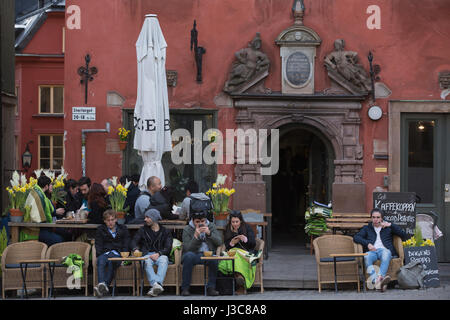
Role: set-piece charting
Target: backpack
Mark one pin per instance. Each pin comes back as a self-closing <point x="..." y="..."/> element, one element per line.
<point x="201" y="206"/>
<point x="410" y="276"/>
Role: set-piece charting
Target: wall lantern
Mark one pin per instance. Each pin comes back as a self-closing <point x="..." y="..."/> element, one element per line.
<point x="27" y="157"/>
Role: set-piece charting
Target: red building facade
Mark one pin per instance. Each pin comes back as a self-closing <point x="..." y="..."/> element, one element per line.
<point x="40" y="88"/>
<point x="345" y="155"/>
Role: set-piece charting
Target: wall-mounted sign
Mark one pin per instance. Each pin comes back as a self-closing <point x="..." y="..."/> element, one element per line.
<point x="83" y="113"/>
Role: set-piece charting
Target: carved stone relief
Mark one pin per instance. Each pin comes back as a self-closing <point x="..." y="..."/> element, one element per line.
<point x="249" y="69"/>
<point x="343" y="68"/>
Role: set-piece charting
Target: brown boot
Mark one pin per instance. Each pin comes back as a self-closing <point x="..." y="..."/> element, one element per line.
<point x="240" y="284"/>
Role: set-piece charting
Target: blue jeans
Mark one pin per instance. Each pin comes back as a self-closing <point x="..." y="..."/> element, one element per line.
<point x="106" y="268"/>
<point x="49" y="238"/>
<point x="190" y="259"/>
<point x="382" y="254"/>
<point x="162" y="263"/>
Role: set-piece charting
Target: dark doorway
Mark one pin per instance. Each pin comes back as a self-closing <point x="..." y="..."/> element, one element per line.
<point x="305" y="175"/>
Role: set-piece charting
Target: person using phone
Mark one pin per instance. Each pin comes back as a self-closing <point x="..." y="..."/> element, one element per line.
<point x="239" y="235"/>
<point x="199" y="235"/>
<point x="376" y="239"/>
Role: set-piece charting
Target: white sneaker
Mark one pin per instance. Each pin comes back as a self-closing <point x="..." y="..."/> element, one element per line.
<point x="98" y="292"/>
<point x="156" y="289"/>
<point x="103" y="288"/>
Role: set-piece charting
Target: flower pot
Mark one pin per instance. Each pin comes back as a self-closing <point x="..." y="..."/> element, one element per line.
<point x="221" y="219"/>
<point x="123" y="145"/>
<point x="16" y="215"/>
<point x="120" y="217"/>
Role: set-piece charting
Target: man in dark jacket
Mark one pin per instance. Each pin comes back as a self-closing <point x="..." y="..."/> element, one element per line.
<point x="145" y="200"/>
<point x="110" y="239"/>
<point x="199" y="236"/>
<point x="376" y="239"/>
<point x="155" y="242"/>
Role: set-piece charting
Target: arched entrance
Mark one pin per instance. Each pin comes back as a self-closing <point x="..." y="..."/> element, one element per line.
<point x="306" y="174"/>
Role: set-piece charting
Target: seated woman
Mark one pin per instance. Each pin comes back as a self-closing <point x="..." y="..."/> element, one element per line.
<point x="239" y="237"/>
<point x="97" y="203"/>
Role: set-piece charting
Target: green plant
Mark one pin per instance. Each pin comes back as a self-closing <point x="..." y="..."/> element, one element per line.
<point x="117" y="195"/>
<point x="18" y="192"/>
<point x="316" y="220"/>
<point x="3" y="242"/>
<point x="416" y="240"/>
<point x="220" y="197"/>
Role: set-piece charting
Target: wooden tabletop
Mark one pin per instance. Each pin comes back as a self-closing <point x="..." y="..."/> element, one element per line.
<point x="128" y="259"/>
<point x="347" y="255"/>
<point x="39" y="261"/>
<point x="218" y="258"/>
<point x="170" y="224"/>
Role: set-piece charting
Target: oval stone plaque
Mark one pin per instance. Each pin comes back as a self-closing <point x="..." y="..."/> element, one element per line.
<point x="298" y="68"/>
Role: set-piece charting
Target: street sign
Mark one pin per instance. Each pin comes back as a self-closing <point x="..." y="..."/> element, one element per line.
<point x="83" y="113"/>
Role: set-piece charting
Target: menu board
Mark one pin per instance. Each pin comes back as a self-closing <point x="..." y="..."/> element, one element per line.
<point x="427" y="257"/>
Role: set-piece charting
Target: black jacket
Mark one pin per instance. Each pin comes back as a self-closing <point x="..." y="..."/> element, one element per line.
<point x="143" y="241"/>
<point x="251" y="241"/>
<point x="96" y="214"/>
<point x="73" y="203"/>
<point x="105" y="242"/>
<point x="160" y="203"/>
<point x="367" y="235"/>
<point x="132" y="195"/>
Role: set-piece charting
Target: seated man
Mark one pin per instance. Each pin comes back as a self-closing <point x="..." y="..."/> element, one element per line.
<point x="198" y="236"/>
<point x="376" y="239"/>
<point x="110" y="239"/>
<point x="155" y="242"/>
<point x="41" y="211"/>
<point x="143" y="202"/>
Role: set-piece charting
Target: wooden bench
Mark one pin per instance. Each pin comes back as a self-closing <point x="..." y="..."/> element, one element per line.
<point x="348" y="223"/>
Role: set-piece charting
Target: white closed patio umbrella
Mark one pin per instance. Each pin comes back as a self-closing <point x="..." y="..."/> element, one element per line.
<point x="151" y="113"/>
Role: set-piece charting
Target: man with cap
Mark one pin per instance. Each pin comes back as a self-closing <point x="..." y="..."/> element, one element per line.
<point x="199" y="235"/>
<point x="155" y="242"/>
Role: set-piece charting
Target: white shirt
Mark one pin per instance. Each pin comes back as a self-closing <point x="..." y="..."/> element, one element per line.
<point x="378" y="244"/>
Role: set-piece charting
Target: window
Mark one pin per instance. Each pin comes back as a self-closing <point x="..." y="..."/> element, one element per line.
<point x="51" y="99"/>
<point x="51" y="152"/>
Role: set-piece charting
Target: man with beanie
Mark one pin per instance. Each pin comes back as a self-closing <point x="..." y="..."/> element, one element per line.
<point x="199" y="235"/>
<point x="155" y="242"/>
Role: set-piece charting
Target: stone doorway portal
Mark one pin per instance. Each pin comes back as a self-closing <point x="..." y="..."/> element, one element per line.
<point x="306" y="174"/>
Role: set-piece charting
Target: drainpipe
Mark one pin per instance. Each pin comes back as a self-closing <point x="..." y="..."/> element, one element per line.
<point x="83" y="145"/>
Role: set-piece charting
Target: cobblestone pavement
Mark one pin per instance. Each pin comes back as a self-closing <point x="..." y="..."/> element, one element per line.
<point x="441" y="293"/>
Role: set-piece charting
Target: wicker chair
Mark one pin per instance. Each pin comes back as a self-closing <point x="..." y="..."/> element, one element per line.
<point x="346" y="268"/>
<point x="63" y="249"/>
<point x="125" y="275"/>
<point x="259" y="266"/>
<point x="396" y="262"/>
<point x="11" y="275"/>
<point x="173" y="275"/>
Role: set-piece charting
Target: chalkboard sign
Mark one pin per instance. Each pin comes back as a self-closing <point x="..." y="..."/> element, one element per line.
<point x="399" y="208"/>
<point x="426" y="256"/>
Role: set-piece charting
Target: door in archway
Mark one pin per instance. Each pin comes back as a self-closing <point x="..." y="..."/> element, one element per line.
<point x="305" y="174"/>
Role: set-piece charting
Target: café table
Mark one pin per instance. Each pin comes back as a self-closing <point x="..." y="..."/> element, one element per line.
<point x="15" y="226"/>
<point x="348" y="255"/>
<point x="141" y="261"/>
<point x="23" y="270"/>
<point x="218" y="258"/>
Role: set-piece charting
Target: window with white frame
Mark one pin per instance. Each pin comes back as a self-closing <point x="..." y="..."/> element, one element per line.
<point x="51" y="99"/>
<point x="51" y="151"/>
